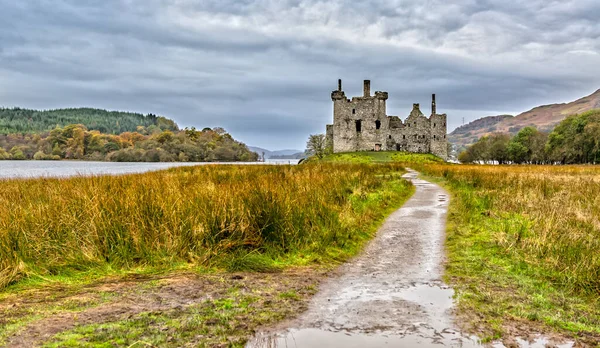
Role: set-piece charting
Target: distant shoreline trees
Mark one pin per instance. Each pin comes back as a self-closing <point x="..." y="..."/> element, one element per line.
<point x="576" y="140"/>
<point x="76" y="142"/>
<point x="100" y="135"/>
<point x="26" y="121"/>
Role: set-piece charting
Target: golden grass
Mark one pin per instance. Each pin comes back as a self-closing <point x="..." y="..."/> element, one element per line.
<point x="559" y="210"/>
<point x="193" y="215"/>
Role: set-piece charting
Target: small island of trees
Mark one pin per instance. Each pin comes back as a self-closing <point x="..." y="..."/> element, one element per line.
<point x="111" y="136"/>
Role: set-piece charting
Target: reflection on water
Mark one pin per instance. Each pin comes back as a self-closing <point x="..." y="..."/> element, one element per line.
<point x="306" y="338"/>
<point x="34" y="169"/>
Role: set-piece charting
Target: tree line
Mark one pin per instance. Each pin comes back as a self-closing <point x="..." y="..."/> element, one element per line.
<point x="575" y="140"/>
<point x="146" y="144"/>
<point x="26" y="121"/>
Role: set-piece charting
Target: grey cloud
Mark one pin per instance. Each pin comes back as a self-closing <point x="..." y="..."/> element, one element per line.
<point x="263" y="69"/>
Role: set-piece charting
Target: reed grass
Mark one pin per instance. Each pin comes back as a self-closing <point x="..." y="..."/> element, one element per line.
<point x="236" y="217"/>
<point x="524" y="243"/>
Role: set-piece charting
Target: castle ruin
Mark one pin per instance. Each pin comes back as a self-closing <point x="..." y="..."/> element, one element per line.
<point x="362" y="124"/>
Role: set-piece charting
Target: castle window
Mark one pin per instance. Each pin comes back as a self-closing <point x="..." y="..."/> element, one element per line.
<point x="415" y="123"/>
<point x="434" y="136"/>
<point x="434" y="125"/>
<point x="444" y="124"/>
<point x="353" y="111"/>
<point x="403" y="136"/>
<point x="444" y="136"/>
<point x="389" y="137"/>
<point x="358" y="126"/>
<point x="408" y="124"/>
<point x="377" y="124"/>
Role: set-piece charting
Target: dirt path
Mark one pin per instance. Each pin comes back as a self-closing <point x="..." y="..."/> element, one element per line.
<point x="392" y="295"/>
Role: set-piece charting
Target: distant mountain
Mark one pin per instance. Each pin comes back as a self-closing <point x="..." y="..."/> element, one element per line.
<point x="279" y="154"/>
<point x="544" y="117"/>
<point x="26" y="121"/>
<point x="297" y="155"/>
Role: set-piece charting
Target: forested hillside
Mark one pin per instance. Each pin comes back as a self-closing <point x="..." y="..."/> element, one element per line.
<point x="575" y="140"/>
<point x="146" y="145"/>
<point x="544" y="118"/>
<point x="25" y="121"/>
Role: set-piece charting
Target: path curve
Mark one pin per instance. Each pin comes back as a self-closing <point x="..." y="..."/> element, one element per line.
<point x="392" y="294"/>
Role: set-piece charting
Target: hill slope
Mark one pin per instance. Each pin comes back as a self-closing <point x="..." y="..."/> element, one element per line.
<point x="25" y="121"/>
<point x="544" y="117"/>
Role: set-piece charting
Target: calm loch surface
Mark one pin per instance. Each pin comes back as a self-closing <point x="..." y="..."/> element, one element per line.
<point x="35" y="169"/>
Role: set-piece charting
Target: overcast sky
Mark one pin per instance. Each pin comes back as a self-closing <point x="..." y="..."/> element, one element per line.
<point x="264" y="69"/>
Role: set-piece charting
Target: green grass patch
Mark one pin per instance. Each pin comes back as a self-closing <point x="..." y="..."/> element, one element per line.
<point x="16" y="317"/>
<point x="226" y="321"/>
<point x="379" y="157"/>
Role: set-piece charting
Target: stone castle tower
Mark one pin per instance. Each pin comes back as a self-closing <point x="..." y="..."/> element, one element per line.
<point x="362" y="124"/>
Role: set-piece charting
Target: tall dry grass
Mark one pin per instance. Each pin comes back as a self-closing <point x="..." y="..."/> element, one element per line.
<point x="547" y="215"/>
<point x="194" y="214"/>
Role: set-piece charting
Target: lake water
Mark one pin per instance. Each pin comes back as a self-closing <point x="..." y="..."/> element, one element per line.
<point x="35" y="169"/>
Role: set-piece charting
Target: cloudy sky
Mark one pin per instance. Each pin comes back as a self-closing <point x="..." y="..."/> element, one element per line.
<point x="264" y="69"/>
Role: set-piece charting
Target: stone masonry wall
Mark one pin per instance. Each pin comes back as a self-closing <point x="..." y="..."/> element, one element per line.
<point x="362" y="124"/>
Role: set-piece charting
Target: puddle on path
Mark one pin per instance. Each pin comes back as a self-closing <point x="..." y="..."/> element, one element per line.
<point x="425" y="304"/>
<point x="539" y="342"/>
<point x="308" y="338"/>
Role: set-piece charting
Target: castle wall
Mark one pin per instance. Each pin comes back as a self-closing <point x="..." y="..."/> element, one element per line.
<point x="329" y="135"/>
<point x="417" y="132"/>
<point x="359" y="124"/>
<point x="362" y="124"/>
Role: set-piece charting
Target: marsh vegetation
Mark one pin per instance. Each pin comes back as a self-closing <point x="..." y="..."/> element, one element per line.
<point x="230" y="217"/>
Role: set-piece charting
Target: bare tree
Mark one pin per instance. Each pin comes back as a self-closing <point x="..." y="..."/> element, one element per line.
<point x="316" y="145"/>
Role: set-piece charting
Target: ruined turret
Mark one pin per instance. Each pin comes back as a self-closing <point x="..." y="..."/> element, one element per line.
<point x="381" y="95"/>
<point x="416" y="110"/>
<point x="338" y="94"/>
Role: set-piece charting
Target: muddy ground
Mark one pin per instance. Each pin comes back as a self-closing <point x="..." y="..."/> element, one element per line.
<point x="217" y="310"/>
